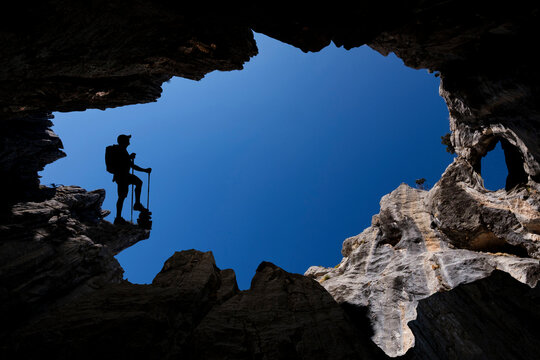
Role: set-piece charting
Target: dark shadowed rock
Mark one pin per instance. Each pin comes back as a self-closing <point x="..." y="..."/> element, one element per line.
<point x="493" y="318"/>
<point x="183" y="314"/>
<point x="282" y="316"/>
<point x="27" y="144"/>
<point x="51" y="252"/>
<point x="125" y="320"/>
<point x="99" y="54"/>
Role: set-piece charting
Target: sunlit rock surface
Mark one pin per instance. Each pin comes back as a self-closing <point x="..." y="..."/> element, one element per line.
<point x="425" y="242"/>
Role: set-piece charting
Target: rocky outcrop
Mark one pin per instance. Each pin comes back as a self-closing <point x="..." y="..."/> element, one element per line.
<point x="70" y="57"/>
<point x="194" y="310"/>
<point x="27" y="144"/>
<point x="282" y="316"/>
<point x="425" y="242"/>
<point x="124" y="320"/>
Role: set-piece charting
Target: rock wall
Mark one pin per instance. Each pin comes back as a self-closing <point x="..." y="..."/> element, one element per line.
<point x="61" y="287"/>
<point x="55" y="250"/>
<point x="426" y="242"/>
<point x="27" y="144"/>
<point x="194" y="310"/>
<point x="503" y="325"/>
<point x="60" y="56"/>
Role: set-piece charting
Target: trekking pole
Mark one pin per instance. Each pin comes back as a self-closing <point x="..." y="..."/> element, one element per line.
<point x="148" y="196"/>
<point x="132" y="173"/>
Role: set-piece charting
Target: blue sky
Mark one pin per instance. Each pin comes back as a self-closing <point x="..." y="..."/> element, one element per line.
<point x="278" y="162"/>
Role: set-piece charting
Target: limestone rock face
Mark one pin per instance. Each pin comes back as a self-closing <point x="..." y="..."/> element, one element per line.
<point x="425" y="242"/>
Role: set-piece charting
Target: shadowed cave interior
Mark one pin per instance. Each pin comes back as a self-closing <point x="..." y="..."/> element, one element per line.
<point x="417" y="272"/>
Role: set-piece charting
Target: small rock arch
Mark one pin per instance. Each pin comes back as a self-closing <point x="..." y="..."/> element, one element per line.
<point x="513" y="158"/>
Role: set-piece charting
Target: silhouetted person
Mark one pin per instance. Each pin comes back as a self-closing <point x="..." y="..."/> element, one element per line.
<point x="120" y="162"/>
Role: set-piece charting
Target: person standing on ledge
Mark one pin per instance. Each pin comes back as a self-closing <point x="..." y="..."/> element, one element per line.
<point x="119" y="162"/>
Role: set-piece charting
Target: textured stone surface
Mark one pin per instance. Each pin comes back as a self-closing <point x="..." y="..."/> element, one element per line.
<point x="493" y="318"/>
<point x="125" y="320"/>
<point x="27" y="144"/>
<point x="282" y="316"/>
<point x="62" y="56"/>
<point x="54" y="250"/>
<point x="193" y="310"/>
<point x="474" y="218"/>
<point x="424" y="242"/>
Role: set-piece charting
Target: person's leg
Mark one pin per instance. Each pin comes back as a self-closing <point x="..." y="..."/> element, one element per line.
<point x="138" y="187"/>
<point x="123" y="189"/>
<point x="119" y="206"/>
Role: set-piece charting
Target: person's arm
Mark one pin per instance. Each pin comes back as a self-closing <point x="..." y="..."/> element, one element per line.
<point x="138" y="168"/>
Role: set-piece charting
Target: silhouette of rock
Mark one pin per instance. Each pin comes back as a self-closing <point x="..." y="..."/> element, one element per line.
<point x="498" y="305"/>
<point x="151" y="321"/>
<point x="282" y="316"/>
<point x="27" y="144"/>
<point x="116" y="53"/>
<point x="194" y="310"/>
<point x="56" y="250"/>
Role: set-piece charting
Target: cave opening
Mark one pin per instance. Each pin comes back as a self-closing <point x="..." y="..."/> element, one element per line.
<point x="497" y="176"/>
<point x="278" y="162"/>
<point x="493" y="174"/>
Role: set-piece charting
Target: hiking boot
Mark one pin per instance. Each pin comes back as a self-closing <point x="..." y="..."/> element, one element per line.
<point x="139" y="207"/>
<point x="120" y="221"/>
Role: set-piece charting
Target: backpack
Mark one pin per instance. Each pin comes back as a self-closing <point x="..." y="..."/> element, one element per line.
<point x="112" y="161"/>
